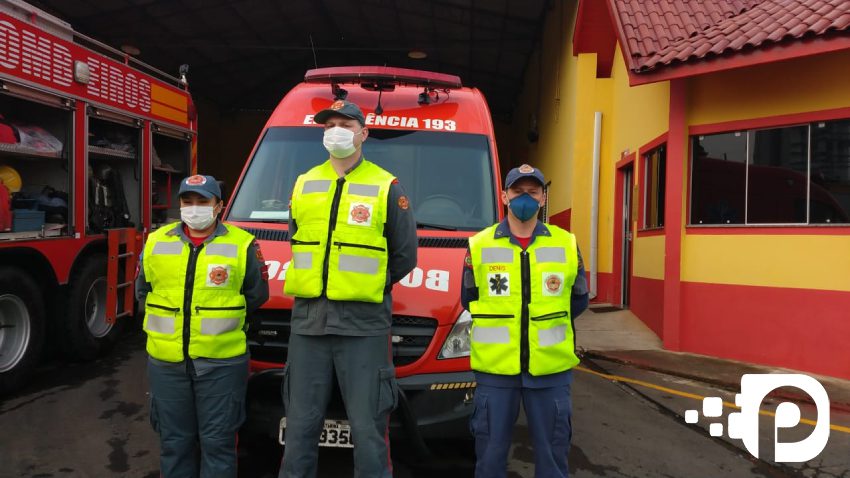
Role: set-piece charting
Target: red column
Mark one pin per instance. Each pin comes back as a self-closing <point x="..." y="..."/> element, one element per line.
<point x="677" y="152"/>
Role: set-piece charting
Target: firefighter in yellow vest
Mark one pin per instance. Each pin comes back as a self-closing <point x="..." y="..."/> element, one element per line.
<point x="523" y="284"/>
<point x="199" y="280"/>
<point x="353" y="236"/>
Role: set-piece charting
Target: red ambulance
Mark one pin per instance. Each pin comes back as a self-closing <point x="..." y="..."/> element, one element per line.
<point x="437" y="137"/>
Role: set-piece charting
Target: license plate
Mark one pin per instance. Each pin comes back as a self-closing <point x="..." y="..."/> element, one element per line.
<point x="335" y="433"/>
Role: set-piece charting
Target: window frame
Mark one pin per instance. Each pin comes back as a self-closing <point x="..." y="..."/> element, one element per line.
<point x="746" y="126"/>
<point x="643" y="188"/>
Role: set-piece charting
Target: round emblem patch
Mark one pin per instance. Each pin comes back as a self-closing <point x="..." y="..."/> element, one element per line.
<point x="218" y="275"/>
<point x="525" y="169"/>
<point x="403" y="202"/>
<point x="360" y="213"/>
<point x="196" y="180"/>
<point x="337" y="105"/>
<point x="553" y="283"/>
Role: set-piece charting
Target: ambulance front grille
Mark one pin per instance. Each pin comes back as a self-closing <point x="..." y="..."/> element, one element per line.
<point x="444" y="242"/>
<point x="268" y="234"/>
<point x="268" y="338"/>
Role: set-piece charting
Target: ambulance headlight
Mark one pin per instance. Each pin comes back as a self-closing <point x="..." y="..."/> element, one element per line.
<point x="457" y="343"/>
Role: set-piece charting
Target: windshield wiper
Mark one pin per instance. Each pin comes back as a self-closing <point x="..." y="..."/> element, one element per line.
<point x="435" y="226"/>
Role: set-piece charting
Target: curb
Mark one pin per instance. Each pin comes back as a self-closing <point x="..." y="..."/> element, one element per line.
<point x="725" y="384"/>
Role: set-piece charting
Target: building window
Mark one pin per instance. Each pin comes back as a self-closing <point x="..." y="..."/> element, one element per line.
<point x="654" y="177"/>
<point x="790" y="175"/>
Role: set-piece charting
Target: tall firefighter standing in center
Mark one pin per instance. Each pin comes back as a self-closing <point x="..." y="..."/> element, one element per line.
<point x="353" y="236"/>
<point x="524" y="284"/>
<point x="199" y="280"/>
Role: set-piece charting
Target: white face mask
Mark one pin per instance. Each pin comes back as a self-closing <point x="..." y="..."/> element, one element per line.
<point x="339" y="142"/>
<point x="197" y="218"/>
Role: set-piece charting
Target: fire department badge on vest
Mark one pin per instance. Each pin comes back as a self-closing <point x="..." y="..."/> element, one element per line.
<point x="553" y="283"/>
<point x="218" y="275"/>
<point x="360" y="214"/>
<point x="499" y="285"/>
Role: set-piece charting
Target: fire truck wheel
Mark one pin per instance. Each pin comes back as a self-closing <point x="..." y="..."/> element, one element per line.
<point x="21" y="327"/>
<point x="87" y="334"/>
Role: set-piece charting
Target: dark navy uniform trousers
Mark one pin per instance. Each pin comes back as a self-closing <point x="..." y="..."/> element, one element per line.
<point x="547" y="405"/>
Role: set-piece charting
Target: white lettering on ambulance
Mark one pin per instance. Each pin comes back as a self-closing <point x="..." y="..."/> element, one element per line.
<point x="10" y="45"/>
<point x="275" y="268"/>
<point x="400" y="122"/>
<point x="437" y="280"/>
<point x="434" y="279"/>
<point x="412" y="279"/>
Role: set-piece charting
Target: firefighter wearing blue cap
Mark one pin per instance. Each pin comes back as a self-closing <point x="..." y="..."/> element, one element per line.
<point x="200" y="280"/>
<point x="353" y="236"/>
<point x="524" y="284"/>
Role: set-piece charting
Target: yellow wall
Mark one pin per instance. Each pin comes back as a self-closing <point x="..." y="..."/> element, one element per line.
<point x="649" y="257"/>
<point x="553" y="152"/>
<point x="569" y="96"/>
<point x="801" y="261"/>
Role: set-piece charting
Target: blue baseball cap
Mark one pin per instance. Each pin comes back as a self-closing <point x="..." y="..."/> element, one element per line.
<point x="341" y="108"/>
<point x="524" y="171"/>
<point x="206" y="186"/>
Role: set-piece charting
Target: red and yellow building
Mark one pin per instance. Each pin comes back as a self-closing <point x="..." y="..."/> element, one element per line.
<point x="721" y="130"/>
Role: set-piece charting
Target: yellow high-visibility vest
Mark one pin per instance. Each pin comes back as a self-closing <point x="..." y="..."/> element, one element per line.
<point x="548" y="269"/>
<point x="352" y="242"/>
<point x="217" y="314"/>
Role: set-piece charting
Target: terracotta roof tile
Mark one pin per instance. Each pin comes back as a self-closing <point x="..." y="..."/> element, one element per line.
<point x="659" y="32"/>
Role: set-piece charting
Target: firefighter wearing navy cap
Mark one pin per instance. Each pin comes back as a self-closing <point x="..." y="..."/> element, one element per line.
<point x="353" y="236"/>
<point x="524" y="284"/>
<point x="199" y="280"/>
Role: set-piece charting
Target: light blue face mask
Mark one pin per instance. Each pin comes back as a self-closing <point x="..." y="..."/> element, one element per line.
<point x="524" y="207"/>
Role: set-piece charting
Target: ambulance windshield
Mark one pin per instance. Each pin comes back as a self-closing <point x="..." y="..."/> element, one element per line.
<point x="448" y="177"/>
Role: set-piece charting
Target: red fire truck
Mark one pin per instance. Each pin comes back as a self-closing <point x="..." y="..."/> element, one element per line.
<point x="437" y="137"/>
<point x="92" y="143"/>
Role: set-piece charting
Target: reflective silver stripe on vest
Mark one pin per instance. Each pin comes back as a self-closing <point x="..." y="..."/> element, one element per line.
<point x="364" y="265"/>
<point x="363" y="189"/>
<point x="226" y="250"/>
<point x="316" y="186"/>
<point x="168" y="248"/>
<point x="302" y="260"/>
<point x="158" y="323"/>
<point x="496" y="254"/>
<point x="553" y="336"/>
<point x="551" y="254"/>
<point x="218" y="326"/>
<point x="491" y="335"/>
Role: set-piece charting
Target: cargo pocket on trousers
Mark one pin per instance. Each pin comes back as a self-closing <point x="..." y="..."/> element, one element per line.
<point x="154" y="416"/>
<point x="479" y="423"/>
<point x="563" y="432"/>
<point x="387" y="391"/>
<point x="237" y="412"/>
<point x="284" y="388"/>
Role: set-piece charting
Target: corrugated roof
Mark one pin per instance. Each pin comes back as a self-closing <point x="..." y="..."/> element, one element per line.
<point x="662" y="32"/>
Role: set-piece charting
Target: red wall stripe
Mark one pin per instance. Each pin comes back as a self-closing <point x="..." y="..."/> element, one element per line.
<point x="802" y="329"/>
<point x="562" y="219"/>
<point x="647" y="302"/>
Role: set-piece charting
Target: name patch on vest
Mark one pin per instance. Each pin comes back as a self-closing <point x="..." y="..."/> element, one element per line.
<point x="218" y="275"/>
<point x="360" y="214"/>
<point x="499" y="284"/>
<point x="553" y="283"/>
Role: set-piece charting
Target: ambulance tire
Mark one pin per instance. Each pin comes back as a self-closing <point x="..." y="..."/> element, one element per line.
<point x="87" y="336"/>
<point x="21" y="327"/>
